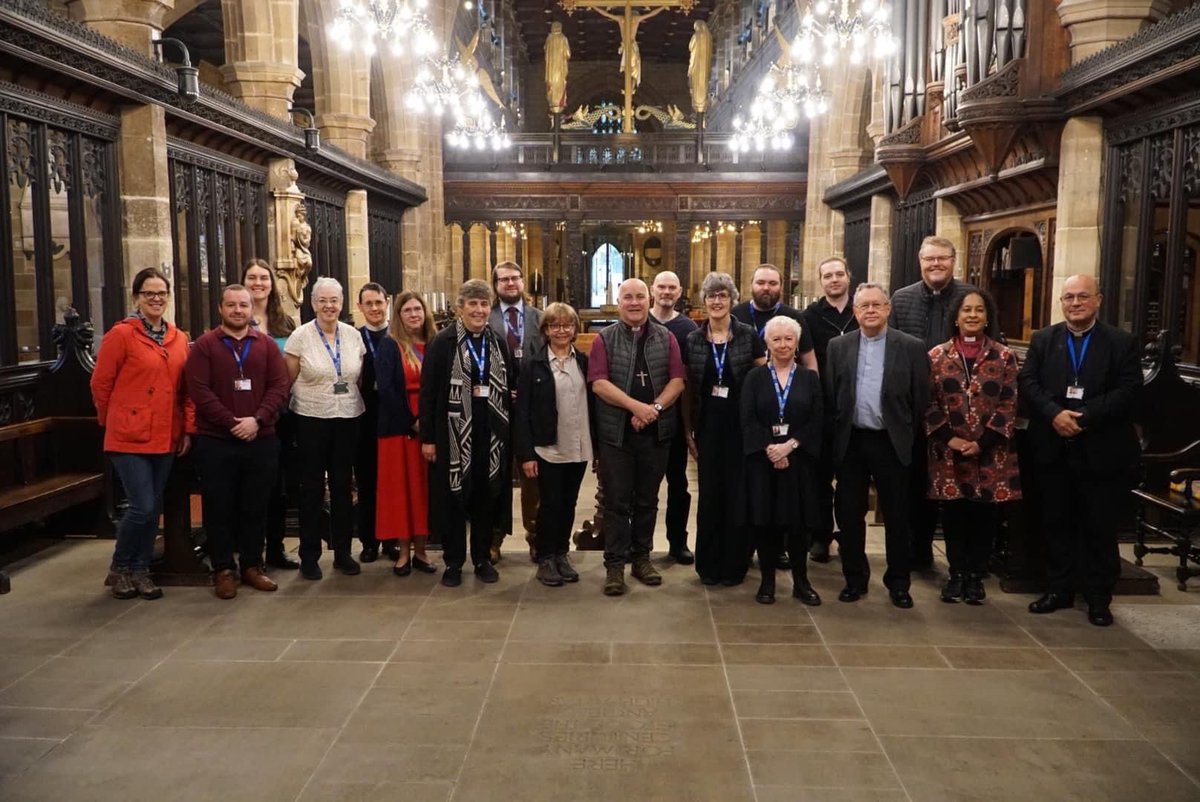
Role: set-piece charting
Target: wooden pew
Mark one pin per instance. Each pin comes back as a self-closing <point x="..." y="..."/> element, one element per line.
<point x="1166" y="507"/>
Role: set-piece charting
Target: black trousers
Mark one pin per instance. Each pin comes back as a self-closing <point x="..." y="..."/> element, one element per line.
<point x="326" y="447"/>
<point x="479" y="508"/>
<point x="773" y="541"/>
<point x="970" y="530"/>
<point x="823" y="485"/>
<point x="679" y="500"/>
<point x="870" y="456"/>
<point x="723" y="546"/>
<point x="631" y="475"/>
<point x="286" y="483"/>
<point x="366" y="479"/>
<point x="558" y="485"/>
<point x="1080" y="514"/>
<point x="235" y="485"/>
<point x="923" y="511"/>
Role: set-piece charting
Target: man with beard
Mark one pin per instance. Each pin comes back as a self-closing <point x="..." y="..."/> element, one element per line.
<point x="825" y="318"/>
<point x="666" y="291"/>
<point x="518" y="325"/>
<point x="636" y="371"/>
<point x="920" y="310"/>
<point x="766" y="293"/>
<point x="238" y="381"/>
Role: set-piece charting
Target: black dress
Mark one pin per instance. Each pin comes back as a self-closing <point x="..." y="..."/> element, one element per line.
<point x="722" y="543"/>
<point x="781" y="501"/>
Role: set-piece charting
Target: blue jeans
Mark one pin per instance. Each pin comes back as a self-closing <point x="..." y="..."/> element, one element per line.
<point x="144" y="477"/>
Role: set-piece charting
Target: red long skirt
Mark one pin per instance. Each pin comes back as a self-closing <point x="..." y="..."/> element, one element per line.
<point x="402" y="506"/>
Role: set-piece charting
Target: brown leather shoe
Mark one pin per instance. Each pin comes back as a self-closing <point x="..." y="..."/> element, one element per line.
<point x="255" y="578"/>
<point x="225" y="584"/>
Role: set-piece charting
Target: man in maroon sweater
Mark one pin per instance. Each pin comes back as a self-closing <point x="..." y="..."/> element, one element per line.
<point x="238" y="382"/>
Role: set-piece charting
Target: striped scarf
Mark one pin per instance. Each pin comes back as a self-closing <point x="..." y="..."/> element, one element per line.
<point x="462" y="377"/>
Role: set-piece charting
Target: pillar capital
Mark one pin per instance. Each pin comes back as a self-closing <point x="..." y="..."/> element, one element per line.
<point x="1097" y="24"/>
<point x="133" y="23"/>
<point x="263" y="85"/>
<point x="347" y="131"/>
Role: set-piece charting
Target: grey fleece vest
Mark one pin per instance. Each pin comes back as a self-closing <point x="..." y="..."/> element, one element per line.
<point x="621" y="348"/>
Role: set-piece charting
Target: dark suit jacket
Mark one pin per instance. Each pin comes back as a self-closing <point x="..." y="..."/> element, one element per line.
<point x="904" y="396"/>
<point x="533" y="334"/>
<point x="1111" y="376"/>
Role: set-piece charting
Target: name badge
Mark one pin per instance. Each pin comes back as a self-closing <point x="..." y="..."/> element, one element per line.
<point x="517" y="353"/>
<point x="241" y="385"/>
<point x="720" y="391"/>
<point x="780" y="429"/>
<point x="1075" y="393"/>
<point x="341" y="388"/>
<point x="481" y="391"/>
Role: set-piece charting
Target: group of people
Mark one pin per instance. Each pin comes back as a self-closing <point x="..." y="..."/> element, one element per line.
<point x="790" y="415"/>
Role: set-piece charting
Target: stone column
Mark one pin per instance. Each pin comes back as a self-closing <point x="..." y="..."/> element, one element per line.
<point x="133" y="23"/>
<point x="948" y="224"/>
<point x="145" y="192"/>
<point x="879" y="259"/>
<point x="762" y="242"/>
<point x="261" y="53"/>
<point x="358" y="252"/>
<point x="737" y="254"/>
<point x="285" y="198"/>
<point x="1096" y="24"/>
<point x="1080" y="189"/>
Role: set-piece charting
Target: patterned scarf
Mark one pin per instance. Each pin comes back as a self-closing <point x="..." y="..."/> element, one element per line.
<point x="462" y="377"/>
<point x="159" y="335"/>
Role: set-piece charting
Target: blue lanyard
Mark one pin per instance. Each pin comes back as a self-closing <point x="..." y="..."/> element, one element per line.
<point x="479" y="356"/>
<point x="1077" y="364"/>
<point x="240" y="354"/>
<point x="754" y="317"/>
<point x="719" y="360"/>
<point x="781" y="393"/>
<point x="370" y="343"/>
<point x="337" y="341"/>
<point x="520" y="330"/>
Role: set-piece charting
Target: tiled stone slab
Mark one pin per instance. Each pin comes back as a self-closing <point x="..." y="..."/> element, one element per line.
<point x="823" y="770"/>
<point x="796" y="735"/>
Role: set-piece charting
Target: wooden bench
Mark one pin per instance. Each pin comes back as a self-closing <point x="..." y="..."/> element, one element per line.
<point x="48" y="465"/>
<point x="1166" y="508"/>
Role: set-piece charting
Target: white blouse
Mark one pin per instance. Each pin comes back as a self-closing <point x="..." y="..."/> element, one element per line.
<point x="312" y="393"/>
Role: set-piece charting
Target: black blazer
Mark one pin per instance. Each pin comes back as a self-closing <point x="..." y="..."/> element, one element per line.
<point x="1111" y="376"/>
<point x="535" y="421"/>
<point x="760" y="411"/>
<point x="395" y="417"/>
<point x="904" y="396"/>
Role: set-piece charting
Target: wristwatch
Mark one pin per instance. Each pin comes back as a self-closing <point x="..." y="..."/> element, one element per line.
<point x="658" y="407"/>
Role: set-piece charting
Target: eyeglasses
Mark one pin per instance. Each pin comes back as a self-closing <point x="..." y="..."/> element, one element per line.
<point x="721" y="295"/>
<point x="150" y="295"/>
<point x="1082" y="297"/>
<point x="508" y="280"/>
<point x="929" y="260"/>
<point x="560" y="326"/>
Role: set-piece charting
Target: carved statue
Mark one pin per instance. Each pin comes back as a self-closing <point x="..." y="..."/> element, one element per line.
<point x="632" y="59"/>
<point x="466" y="55"/>
<point x="296" y="277"/>
<point x="699" y="65"/>
<point x="558" y="53"/>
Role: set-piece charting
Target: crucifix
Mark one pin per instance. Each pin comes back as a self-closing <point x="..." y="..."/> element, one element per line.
<point x="631" y="57"/>
<point x="642" y="376"/>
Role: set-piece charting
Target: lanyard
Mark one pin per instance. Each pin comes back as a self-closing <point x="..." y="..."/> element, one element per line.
<point x="781" y="393"/>
<point x="240" y="354"/>
<point x="370" y="341"/>
<point x="754" y="317"/>
<point x="479" y="356"/>
<point x="519" y="332"/>
<point x="337" y="341"/>
<point x="719" y="360"/>
<point x="1077" y="363"/>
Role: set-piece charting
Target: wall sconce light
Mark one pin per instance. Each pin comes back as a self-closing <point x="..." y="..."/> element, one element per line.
<point x="187" y="75"/>
<point x="312" y="136"/>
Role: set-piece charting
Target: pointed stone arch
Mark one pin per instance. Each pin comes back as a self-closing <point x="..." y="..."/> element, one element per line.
<point x="341" y="84"/>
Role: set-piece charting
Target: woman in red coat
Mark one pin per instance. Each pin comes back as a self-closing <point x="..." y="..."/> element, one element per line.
<point x="139" y="392"/>
<point x="972" y="461"/>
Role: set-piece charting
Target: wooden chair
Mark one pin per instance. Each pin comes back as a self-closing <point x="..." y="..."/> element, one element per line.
<point x="1166" y="507"/>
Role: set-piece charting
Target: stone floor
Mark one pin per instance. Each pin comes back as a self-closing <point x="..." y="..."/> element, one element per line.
<point x="378" y="688"/>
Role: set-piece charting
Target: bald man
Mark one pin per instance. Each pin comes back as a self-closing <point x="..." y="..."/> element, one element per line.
<point x="1078" y="387"/>
<point x="666" y="291"/>
<point x="636" y="371"/>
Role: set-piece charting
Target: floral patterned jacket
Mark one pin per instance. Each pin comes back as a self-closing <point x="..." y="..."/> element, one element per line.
<point x="980" y="407"/>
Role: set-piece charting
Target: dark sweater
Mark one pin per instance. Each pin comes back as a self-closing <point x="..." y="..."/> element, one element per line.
<point x="211" y="370"/>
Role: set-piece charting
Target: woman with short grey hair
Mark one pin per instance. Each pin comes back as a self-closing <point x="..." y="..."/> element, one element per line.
<point x="719" y="355"/>
<point x="324" y="360"/>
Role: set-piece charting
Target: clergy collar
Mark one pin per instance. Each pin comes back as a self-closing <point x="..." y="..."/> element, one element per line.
<point x="931" y="292"/>
<point x="1083" y="333"/>
<point x="874" y="339"/>
<point x="376" y="329"/>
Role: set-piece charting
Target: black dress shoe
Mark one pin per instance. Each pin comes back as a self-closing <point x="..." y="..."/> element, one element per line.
<point x="805" y="593"/>
<point x="901" y="599"/>
<point x="784" y="564"/>
<point x="346" y="564"/>
<point x="1100" y="616"/>
<point x="818" y="552"/>
<point x="310" y="570"/>
<point x="766" y="591"/>
<point x="280" y="559"/>
<point x="422" y="566"/>
<point x="402" y="570"/>
<point x="369" y="554"/>
<point x="390" y="550"/>
<point x="973" y="591"/>
<point x="849" y="594"/>
<point x="1051" y="602"/>
<point x="952" y="591"/>
<point x="683" y="555"/>
<point x="452" y="576"/>
<point x="487" y="572"/>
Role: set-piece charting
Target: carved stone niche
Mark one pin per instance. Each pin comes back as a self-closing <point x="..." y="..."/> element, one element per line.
<point x="286" y="232"/>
